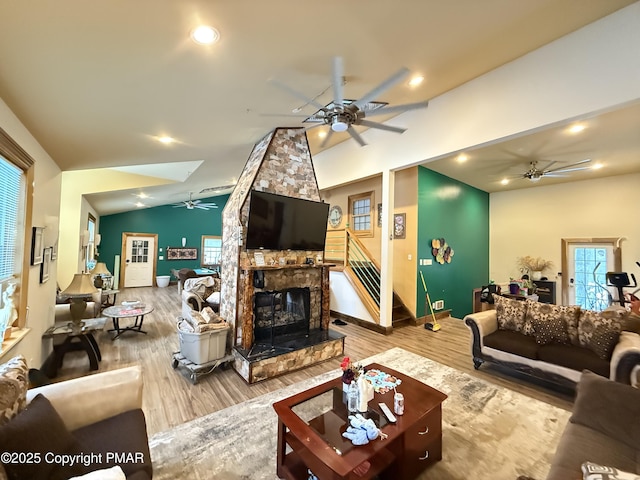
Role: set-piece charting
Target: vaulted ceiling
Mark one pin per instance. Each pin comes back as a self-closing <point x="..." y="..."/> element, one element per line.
<point x="98" y="83"/>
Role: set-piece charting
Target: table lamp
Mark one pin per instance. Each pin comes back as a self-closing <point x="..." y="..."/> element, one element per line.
<point x="78" y="290"/>
<point x="100" y="270"/>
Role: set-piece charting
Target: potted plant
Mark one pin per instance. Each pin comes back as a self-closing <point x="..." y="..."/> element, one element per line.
<point x="534" y="266"/>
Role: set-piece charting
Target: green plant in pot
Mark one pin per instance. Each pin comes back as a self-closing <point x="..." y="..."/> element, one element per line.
<point x="534" y="266"/>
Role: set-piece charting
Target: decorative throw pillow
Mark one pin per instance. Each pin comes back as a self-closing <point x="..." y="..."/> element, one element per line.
<point x="593" y="471"/>
<point x="562" y="317"/>
<point x="114" y="473"/>
<point x="214" y="298"/>
<point x="14" y="381"/>
<point x="38" y="429"/>
<point x="510" y="313"/>
<point x="550" y="330"/>
<point x="599" y="333"/>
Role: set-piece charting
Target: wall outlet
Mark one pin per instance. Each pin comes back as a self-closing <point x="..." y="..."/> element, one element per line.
<point x="428" y="261"/>
<point x="438" y="305"/>
<point x="160" y="257"/>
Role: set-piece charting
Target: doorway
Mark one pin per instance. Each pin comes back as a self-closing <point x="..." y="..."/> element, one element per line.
<point x="138" y="259"/>
<point x="586" y="262"/>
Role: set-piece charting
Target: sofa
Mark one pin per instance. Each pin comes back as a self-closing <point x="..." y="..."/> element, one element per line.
<point x="602" y="438"/>
<point x="200" y="292"/>
<point x="555" y="342"/>
<point x="96" y="421"/>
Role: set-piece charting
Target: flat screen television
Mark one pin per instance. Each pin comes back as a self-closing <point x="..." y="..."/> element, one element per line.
<point x="277" y="222"/>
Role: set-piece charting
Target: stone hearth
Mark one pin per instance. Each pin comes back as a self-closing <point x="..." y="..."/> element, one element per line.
<point x="281" y="164"/>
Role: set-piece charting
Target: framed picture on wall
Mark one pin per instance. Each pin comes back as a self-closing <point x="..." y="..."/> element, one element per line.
<point x="182" y="253"/>
<point x="37" y="250"/>
<point x="45" y="265"/>
<point x="54" y="250"/>
<point x="399" y="225"/>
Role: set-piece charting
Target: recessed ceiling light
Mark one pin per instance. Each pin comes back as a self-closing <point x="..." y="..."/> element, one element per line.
<point x="205" y="35"/>
<point x="577" y="128"/>
<point x="142" y="195"/>
<point x="505" y="181"/>
<point x="322" y="134"/>
<point x="415" y="81"/>
<point x="462" y="158"/>
<point x="166" y="140"/>
<point x="140" y="204"/>
<point x="597" y="166"/>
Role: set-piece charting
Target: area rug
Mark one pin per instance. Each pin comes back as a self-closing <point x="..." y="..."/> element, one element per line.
<point x="489" y="432"/>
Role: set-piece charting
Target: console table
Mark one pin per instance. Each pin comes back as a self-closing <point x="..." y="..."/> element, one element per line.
<point x="414" y="442"/>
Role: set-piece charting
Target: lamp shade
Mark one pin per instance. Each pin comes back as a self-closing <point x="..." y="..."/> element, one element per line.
<point x="80" y="286"/>
<point x="100" y="269"/>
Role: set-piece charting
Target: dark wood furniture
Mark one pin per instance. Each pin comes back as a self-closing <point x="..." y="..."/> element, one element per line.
<point x="73" y="339"/>
<point x="546" y="291"/>
<point x="414" y="442"/>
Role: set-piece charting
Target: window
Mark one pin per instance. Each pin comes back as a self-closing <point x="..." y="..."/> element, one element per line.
<point x="211" y="251"/>
<point x="15" y="177"/>
<point x="361" y="214"/>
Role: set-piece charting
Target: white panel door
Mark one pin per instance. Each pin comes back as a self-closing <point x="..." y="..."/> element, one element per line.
<point x="138" y="263"/>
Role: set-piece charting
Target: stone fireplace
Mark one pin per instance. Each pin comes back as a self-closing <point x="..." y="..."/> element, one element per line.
<point x="279" y="307"/>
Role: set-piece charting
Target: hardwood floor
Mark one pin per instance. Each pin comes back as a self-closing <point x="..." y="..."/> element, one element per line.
<point x="170" y="399"/>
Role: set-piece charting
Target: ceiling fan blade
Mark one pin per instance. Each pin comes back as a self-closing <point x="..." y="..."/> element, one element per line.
<point x="546" y="168"/>
<point x="297" y="94"/>
<point x="555" y="175"/>
<point x="356" y="136"/>
<point x="398" y="108"/>
<point x="315" y="125"/>
<point x="326" y="139"/>
<point x="178" y="205"/>
<point x="565" y="167"/>
<point x="208" y="205"/>
<point x="296" y="115"/>
<point x="338" y="75"/>
<point x="383" y="87"/>
<point x="201" y="207"/>
<point x="381" y="126"/>
<point x="567" y="170"/>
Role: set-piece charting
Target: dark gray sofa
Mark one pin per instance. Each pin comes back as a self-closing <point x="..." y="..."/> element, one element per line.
<point x="604" y="429"/>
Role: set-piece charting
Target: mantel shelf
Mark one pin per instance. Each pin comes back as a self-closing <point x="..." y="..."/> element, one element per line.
<point x="286" y="267"/>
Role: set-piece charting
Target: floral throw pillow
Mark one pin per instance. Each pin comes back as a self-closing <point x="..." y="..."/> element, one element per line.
<point x="510" y="313"/>
<point x="14" y="381"/>
<point x="599" y="333"/>
<point x="564" y="321"/>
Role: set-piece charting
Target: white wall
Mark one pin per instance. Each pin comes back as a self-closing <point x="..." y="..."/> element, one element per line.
<point x="595" y="68"/>
<point x="46" y="205"/>
<point x="344" y="298"/>
<point x="533" y="221"/>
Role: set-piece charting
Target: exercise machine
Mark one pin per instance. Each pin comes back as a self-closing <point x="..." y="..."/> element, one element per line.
<point x="620" y="281"/>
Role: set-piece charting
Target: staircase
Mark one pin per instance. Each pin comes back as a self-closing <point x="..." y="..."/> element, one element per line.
<point x="344" y="248"/>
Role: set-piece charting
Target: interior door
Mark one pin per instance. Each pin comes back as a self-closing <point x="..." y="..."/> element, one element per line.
<point x="138" y="260"/>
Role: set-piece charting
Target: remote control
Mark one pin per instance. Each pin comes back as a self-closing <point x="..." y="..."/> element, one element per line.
<point x="387" y="412"/>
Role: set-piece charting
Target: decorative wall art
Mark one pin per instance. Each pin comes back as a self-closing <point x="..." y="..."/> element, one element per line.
<point x="37" y="250"/>
<point x="441" y="251"/>
<point x="54" y="250"/>
<point x="399" y="225"/>
<point x="181" y="253"/>
<point x="46" y="263"/>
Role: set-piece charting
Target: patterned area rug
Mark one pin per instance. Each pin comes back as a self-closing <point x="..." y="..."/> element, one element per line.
<point x="489" y="432"/>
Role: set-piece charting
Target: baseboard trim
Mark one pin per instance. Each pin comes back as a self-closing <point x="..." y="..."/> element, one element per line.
<point x="427" y="318"/>
<point x="362" y="323"/>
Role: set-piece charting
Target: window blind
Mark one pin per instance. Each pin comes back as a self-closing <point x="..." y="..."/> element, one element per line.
<point x="10" y="194"/>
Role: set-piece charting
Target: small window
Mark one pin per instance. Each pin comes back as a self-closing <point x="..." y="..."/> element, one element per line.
<point x="211" y="251"/>
<point x="361" y="214"/>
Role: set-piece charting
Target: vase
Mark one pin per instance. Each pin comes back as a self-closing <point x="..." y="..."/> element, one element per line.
<point x="536" y="275"/>
<point x="514" y="288"/>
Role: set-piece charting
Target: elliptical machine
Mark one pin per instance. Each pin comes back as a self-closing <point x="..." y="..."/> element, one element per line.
<point x="620" y="280"/>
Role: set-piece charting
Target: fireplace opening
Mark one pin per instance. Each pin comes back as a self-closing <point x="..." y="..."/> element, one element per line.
<point x="279" y="317"/>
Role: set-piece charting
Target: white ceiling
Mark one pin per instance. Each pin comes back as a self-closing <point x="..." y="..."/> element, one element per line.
<point x="97" y="82"/>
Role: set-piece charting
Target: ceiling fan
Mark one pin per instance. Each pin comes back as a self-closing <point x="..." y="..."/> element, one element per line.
<point x="342" y="114"/>
<point x="534" y="173"/>
<point x="191" y="204"/>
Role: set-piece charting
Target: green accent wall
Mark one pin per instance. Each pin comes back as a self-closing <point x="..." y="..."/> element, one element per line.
<point x="458" y="213"/>
<point x="169" y="223"/>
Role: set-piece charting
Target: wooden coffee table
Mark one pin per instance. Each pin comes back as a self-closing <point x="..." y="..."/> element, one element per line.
<point x="311" y="424"/>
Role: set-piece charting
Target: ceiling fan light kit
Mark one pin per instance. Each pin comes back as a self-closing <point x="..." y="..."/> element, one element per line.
<point x="341" y="115"/>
